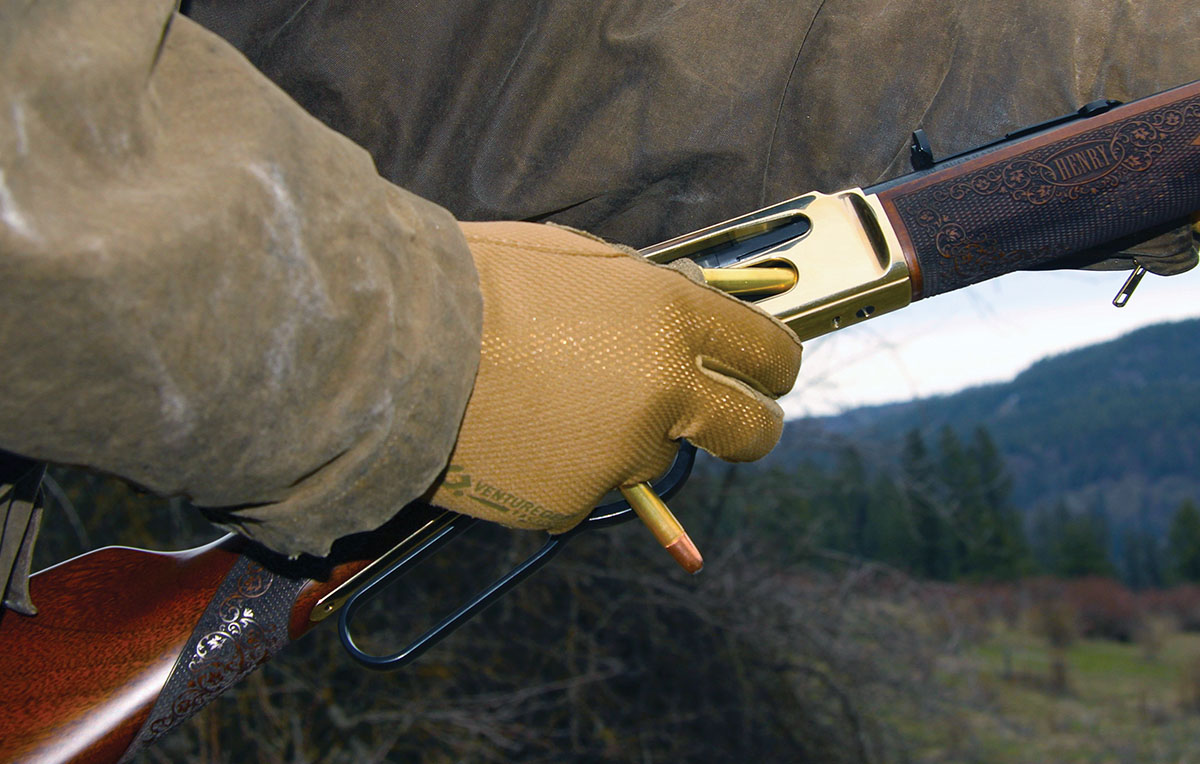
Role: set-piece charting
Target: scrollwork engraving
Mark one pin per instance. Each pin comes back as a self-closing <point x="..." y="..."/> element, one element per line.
<point x="244" y="625"/>
<point x="1055" y="199"/>
<point x="1087" y="166"/>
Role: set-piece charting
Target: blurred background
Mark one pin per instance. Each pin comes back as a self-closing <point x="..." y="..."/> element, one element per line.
<point x="978" y="540"/>
<point x="1007" y="572"/>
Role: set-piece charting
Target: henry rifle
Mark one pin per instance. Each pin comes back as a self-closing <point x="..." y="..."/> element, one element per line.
<point x="129" y="643"/>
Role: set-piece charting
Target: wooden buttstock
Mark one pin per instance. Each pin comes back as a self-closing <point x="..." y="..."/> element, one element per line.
<point x="129" y="643"/>
<point x="80" y="678"/>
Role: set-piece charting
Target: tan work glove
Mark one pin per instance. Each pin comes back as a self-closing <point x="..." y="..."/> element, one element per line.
<point x="594" y="363"/>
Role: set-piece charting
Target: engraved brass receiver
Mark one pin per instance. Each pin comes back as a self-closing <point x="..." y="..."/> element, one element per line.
<point x="844" y="257"/>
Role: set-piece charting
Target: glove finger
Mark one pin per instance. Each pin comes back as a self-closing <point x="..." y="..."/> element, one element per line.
<point x="728" y="418"/>
<point x="744" y="341"/>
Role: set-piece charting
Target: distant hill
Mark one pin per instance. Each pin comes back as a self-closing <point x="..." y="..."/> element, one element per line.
<point x="1113" y="426"/>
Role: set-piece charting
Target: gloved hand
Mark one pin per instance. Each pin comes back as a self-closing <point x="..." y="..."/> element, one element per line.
<point x="594" y="362"/>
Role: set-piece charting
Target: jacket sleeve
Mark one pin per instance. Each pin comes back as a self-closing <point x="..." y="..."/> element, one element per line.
<point x="205" y="291"/>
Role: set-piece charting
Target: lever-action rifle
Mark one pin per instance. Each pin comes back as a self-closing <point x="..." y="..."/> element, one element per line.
<point x="129" y="643"/>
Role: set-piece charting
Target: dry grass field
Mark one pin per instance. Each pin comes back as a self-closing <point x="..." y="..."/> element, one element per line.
<point x="1022" y="699"/>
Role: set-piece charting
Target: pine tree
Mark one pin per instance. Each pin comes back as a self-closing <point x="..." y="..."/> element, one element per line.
<point x="996" y="542"/>
<point x="851" y="504"/>
<point x="1142" y="560"/>
<point x="929" y="552"/>
<point x="888" y="538"/>
<point x="1075" y="545"/>
<point x="960" y="499"/>
<point x="1183" y="543"/>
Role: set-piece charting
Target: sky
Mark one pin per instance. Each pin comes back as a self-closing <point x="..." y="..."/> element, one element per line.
<point x="985" y="333"/>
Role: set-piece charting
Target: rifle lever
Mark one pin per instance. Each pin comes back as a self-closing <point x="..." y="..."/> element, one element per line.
<point x="602" y="516"/>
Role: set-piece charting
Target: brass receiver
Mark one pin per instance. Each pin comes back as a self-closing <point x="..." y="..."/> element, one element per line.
<point x="847" y="262"/>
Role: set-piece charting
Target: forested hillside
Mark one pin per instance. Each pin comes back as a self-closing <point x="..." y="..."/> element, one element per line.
<point x="1113" y="428"/>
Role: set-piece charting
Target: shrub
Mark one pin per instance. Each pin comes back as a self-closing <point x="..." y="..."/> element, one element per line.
<point x="1056" y="620"/>
<point x="1105" y="608"/>
<point x="1181" y="603"/>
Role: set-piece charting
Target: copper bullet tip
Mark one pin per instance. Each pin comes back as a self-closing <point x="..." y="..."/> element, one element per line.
<point x="658" y="518"/>
<point x="686" y="554"/>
